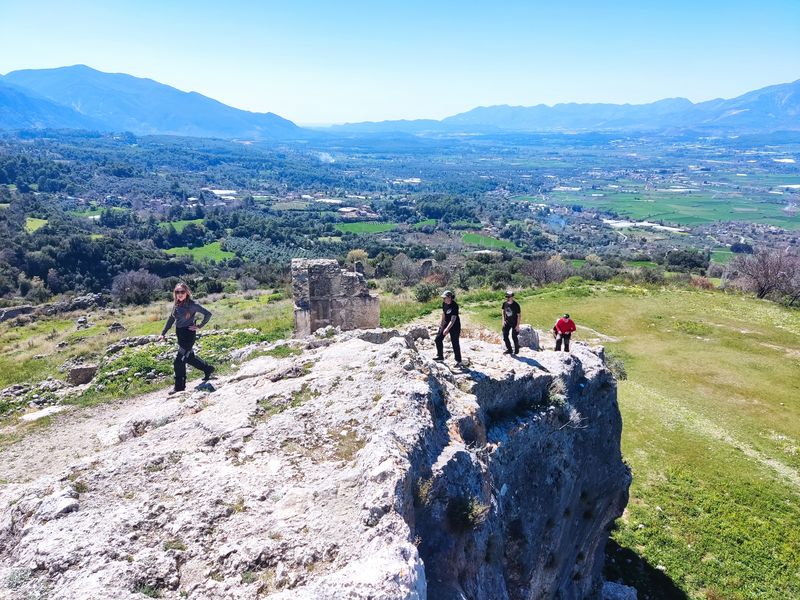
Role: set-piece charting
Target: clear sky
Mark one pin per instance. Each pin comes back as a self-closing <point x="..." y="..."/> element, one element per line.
<point x="331" y="61"/>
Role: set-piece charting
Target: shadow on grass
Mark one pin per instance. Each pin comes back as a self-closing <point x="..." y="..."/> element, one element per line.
<point x="623" y="565"/>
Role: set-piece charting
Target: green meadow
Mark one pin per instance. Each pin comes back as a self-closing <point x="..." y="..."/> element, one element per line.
<point x="711" y="413"/>
<point x="33" y="224"/>
<point x="211" y="251"/>
<point x="181" y="225"/>
<point x="691" y="208"/>
<point x="485" y="241"/>
<point x="366" y="227"/>
<point x="425" y="223"/>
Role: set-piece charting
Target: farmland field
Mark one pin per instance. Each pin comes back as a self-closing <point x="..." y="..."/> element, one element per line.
<point x="693" y="208"/>
<point x="485" y="241"/>
<point x="211" y="251"/>
<point x="32" y="224"/>
<point x="366" y="227"/>
<point x="711" y="413"/>
<point x="181" y="225"/>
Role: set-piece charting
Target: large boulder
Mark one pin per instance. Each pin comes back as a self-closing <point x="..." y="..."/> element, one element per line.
<point x="81" y="374"/>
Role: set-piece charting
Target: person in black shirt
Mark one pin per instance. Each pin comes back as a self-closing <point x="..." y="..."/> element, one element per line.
<point x="450" y="323"/>
<point x="512" y="315"/>
<point x="183" y="316"/>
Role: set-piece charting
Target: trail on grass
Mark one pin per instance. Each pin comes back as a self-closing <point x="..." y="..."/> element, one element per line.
<point x="674" y="411"/>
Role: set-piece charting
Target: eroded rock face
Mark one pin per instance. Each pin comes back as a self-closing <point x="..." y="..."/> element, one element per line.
<point x="358" y="469"/>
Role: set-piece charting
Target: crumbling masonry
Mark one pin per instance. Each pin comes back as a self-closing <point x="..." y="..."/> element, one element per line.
<point x="326" y="295"/>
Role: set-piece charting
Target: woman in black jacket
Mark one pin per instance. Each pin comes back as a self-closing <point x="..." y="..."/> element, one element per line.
<point x="183" y="315"/>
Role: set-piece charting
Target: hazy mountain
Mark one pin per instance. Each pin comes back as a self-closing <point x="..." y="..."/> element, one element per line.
<point x="121" y="102"/>
<point x="773" y="108"/>
<point x="20" y="109"/>
<point x="81" y="97"/>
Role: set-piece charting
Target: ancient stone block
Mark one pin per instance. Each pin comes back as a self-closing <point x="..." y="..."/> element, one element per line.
<point x="325" y="295"/>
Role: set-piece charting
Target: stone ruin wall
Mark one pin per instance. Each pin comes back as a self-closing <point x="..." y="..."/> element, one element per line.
<point x="324" y="294"/>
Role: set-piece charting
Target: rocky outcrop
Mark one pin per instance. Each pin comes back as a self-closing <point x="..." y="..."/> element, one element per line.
<point x="357" y="469"/>
<point x="13" y="312"/>
<point x="81" y="374"/>
<point x="325" y="295"/>
<point x="86" y="302"/>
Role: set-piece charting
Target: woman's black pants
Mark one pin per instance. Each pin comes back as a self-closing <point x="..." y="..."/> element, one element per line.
<point x="454" y="335"/>
<point x="186" y="355"/>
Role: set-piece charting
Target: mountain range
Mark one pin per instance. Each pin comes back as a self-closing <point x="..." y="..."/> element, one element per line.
<point x="773" y="108"/>
<point x="79" y="97"/>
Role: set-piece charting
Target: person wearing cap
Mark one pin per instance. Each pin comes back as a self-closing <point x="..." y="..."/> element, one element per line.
<point x="450" y="323"/>
<point x="512" y="315"/>
<point x="562" y="330"/>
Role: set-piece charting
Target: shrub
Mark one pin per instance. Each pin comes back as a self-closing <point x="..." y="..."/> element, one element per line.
<point x="425" y="292"/>
<point x="465" y="513"/>
<point x="135" y="287"/>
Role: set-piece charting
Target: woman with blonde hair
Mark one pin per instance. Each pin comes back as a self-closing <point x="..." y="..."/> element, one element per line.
<point x="183" y="315"/>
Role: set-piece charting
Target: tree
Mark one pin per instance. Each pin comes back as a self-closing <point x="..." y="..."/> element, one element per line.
<point x="135" y="287"/>
<point x="764" y="272"/>
<point x="356" y="255"/>
<point x="404" y="268"/>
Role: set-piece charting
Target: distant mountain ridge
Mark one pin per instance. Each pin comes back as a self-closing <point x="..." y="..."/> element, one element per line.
<point x="774" y="108"/>
<point x="120" y="102"/>
<point x="79" y="97"/>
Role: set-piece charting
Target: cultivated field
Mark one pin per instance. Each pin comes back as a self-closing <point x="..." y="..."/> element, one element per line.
<point x="211" y="251"/>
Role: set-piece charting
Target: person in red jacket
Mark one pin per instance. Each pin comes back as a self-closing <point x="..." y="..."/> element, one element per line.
<point x="562" y="330"/>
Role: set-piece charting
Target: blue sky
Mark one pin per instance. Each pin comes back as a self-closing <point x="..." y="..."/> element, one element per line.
<point x="335" y="61"/>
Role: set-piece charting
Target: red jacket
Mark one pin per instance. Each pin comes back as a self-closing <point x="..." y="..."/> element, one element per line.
<point x="564" y="325"/>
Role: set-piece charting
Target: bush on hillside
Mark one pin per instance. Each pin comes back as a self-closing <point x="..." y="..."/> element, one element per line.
<point x="135" y="287"/>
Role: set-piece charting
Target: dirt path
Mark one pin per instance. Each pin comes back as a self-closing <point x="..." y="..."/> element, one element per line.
<point x="77" y="433"/>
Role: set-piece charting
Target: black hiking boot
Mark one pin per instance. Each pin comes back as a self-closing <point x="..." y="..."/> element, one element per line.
<point x="507" y="352"/>
<point x="208" y="373"/>
<point x="438" y="358"/>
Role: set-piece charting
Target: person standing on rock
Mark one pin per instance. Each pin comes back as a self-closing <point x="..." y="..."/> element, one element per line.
<point x="183" y="314"/>
<point x="450" y="323"/>
<point x="562" y="331"/>
<point x="512" y="316"/>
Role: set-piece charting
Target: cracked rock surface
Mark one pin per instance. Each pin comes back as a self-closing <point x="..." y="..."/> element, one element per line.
<point x="359" y="468"/>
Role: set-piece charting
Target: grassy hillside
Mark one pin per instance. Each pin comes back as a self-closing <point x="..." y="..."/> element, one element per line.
<point x="711" y="412"/>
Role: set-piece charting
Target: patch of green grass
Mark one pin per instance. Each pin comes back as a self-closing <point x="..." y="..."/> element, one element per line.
<point x="399" y="312"/>
<point x="362" y="227"/>
<point x="4" y="205"/>
<point x="283" y="351"/>
<point x="211" y="251"/>
<point x="181" y="225"/>
<point x="96" y="212"/>
<point x="722" y="257"/>
<point x="33" y="224"/>
<point x="709" y="429"/>
<point x="425" y="223"/>
<point x="641" y="263"/>
<point x="175" y="544"/>
<point x="485" y="241"/>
